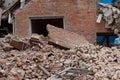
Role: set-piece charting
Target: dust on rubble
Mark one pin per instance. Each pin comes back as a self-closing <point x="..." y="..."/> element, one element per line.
<point x="42" y="61"/>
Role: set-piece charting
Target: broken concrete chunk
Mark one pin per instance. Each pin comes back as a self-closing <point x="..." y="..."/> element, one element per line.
<point x="57" y="44"/>
<point x="54" y="78"/>
<point x="111" y="15"/>
<point x="36" y="40"/>
<point x="117" y="4"/>
<point x="65" y="38"/>
<point x="116" y="31"/>
<point x="1" y="75"/>
<point x="84" y="61"/>
<point x="99" y="18"/>
<point x="18" y="72"/>
<point x="44" y="70"/>
<point x="67" y="61"/>
<point x="7" y="47"/>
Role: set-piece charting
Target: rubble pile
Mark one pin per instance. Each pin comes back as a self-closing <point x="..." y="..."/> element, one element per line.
<point x="117" y="4"/>
<point x="111" y="15"/>
<point x="36" y="59"/>
<point x="40" y="61"/>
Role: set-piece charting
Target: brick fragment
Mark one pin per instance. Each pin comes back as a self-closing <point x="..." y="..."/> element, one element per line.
<point x="6" y="47"/>
<point x="65" y="38"/>
<point x="20" y="45"/>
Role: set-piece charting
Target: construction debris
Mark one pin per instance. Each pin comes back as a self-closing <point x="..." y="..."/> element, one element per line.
<point x="117" y="4"/>
<point x="35" y="39"/>
<point x="65" y="38"/>
<point x="111" y="15"/>
<point x="7" y="47"/>
<point x="71" y="73"/>
<point x="42" y="61"/>
<point x="99" y="18"/>
<point x="20" y="45"/>
<point x="44" y="70"/>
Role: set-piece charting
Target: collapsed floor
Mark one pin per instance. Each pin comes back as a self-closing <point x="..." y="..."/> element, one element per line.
<point x="34" y="58"/>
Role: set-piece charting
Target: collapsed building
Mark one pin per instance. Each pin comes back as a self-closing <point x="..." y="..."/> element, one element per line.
<point x="46" y="44"/>
<point x="56" y="58"/>
<point x="73" y="15"/>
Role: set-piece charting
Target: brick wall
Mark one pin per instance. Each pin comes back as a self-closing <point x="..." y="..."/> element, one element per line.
<point x="80" y="16"/>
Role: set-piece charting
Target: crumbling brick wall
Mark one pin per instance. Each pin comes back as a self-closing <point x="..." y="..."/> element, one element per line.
<point x="80" y="16"/>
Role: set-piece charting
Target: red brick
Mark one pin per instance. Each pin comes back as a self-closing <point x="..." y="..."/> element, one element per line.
<point x="20" y="45"/>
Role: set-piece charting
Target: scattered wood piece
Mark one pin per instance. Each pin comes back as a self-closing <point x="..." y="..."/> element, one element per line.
<point x="71" y="73"/>
<point x="44" y="70"/>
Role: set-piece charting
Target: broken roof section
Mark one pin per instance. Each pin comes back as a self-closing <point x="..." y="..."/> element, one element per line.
<point x="9" y="6"/>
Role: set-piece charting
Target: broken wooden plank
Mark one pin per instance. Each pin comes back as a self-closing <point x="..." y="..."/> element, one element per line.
<point x="71" y="72"/>
<point x="65" y="38"/>
<point x="44" y="70"/>
<point x="99" y="18"/>
<point x="80" y="71"/>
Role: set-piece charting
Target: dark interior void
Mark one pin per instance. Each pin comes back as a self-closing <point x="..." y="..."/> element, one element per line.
<point x="106" y="39"/>
<point x="5" y="28"/>
<point x="39" y="25"/>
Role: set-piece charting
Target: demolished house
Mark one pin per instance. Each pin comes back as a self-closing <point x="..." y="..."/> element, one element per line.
<point x="70" y="15"/>
<point x="51" y="40"/>
<point x="56" y="58"/>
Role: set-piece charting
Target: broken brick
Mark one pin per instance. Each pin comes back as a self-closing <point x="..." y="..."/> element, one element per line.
<point x="35" y="39"/>
<point x="6" y="47"/>
<point x="20" y="45"/>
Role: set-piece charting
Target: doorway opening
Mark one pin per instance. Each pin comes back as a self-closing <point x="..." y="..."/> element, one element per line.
<point x="38" y="25"/>
<point x="5" y="28"/>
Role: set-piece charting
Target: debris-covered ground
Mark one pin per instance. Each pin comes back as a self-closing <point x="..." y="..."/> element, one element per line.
<point x="33" y="58"/>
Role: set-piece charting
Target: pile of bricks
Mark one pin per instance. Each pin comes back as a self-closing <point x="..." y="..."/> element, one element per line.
<point x="43" y="61"/>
